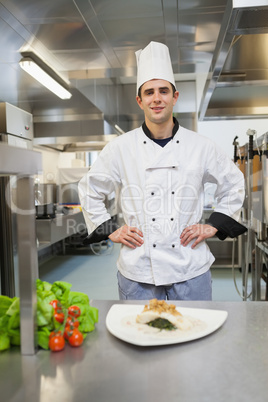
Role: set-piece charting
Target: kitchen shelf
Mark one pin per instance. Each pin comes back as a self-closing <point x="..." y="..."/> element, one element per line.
<point x="50" y="231"/>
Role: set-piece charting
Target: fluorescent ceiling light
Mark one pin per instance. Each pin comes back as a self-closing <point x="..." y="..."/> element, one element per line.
<point x="45" y="78"/>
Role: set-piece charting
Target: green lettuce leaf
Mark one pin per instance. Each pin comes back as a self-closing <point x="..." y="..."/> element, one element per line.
<point x="86" y="324"/>
<point x="15" y="338"/>
<point x="94" y="313"/>
<point x="14" y="307"/>
<point x="14" y="321"/>
<point x="4" y="323"/>
<point x="76" y="298"/>
<point x="45" y="295"/>
<point x="4" y="342"/>
<point x="61" y="290"/>
<point x="43" y="285"/>
<point x="45" y="313"/>
<point x="5" y="303"/>
<point x="43" y="337"/>
<point x="88" y="319"/>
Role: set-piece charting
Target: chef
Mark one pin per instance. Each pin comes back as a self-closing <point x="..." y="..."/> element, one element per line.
<point x="159" y="171"/>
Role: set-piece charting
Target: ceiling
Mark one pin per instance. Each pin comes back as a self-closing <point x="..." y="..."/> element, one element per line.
<point x="216" y="46"/>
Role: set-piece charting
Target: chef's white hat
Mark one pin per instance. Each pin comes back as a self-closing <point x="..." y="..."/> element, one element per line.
<point x="154" y="62"/>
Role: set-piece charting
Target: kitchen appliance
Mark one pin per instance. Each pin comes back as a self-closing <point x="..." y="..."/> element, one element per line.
<point x="45" y="211"/>
<point x="16" y="129"/>
<point x="16" y="126"/>
<point x="252" y="160"/>
<point x="264" y="155"/>
<point x="256" y="176"/>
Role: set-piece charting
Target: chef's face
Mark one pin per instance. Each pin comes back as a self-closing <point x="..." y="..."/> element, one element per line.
<point x="157" y="101"/>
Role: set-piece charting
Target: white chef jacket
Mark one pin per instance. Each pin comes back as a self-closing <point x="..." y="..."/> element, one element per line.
<point x="161" y="191"/>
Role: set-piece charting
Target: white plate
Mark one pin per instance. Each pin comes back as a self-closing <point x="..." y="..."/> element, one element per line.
<point x="121" y="322"/>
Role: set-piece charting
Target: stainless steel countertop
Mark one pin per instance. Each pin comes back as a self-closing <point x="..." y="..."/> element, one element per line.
<point x="231" y="364"/>
<point x="50" y="231"/>
<point x="19" y="161"/>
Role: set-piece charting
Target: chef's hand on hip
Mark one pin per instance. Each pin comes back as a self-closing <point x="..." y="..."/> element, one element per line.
<point x="198" y="232"/>
<point x="127" y="235"/>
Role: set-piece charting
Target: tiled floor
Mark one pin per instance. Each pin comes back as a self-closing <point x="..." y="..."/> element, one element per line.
<point x="95" y="274"/>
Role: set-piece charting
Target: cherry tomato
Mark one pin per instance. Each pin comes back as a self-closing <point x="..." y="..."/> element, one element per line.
<point x="59" y="317"/>
<point x="72" y="322"/>
<point x="74" y="311"/>
<point x="68" y="331"/>
<point x="55" y="304"/>
<point x="76" y="339"/>
<point x="54" y="333"/>
<point x="56" y="343"/>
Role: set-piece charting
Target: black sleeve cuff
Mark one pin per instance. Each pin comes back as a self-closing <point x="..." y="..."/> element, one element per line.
<point x="226" y="226"/>
<point x="101" y="233"/>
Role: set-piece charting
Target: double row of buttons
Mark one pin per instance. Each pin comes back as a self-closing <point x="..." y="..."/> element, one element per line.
<point x="172" y="219"/>
<point x="172" y="192"/>
<point x="173" y="245"/>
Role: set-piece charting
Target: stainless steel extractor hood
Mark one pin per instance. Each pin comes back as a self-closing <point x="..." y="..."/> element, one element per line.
<point x="73" y="127"/>
<point x="237" y="83"/>
<point x="74" y="143"/>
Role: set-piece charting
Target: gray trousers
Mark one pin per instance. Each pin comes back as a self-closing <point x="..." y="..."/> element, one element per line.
<point x="198" y="288"/>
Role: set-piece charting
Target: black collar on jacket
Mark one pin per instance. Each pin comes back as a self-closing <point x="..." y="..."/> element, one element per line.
<point x="174" y="130"/>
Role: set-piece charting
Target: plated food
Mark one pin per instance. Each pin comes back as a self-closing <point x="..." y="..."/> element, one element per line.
<point x="159" y="314"/>
<point x="131" y="323"/>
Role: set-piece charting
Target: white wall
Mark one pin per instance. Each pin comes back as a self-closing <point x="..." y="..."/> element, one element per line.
<point x="51" y="162"/>
<point x="223" y="132"/>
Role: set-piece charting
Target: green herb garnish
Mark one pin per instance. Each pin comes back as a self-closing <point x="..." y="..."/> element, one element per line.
<point x="162" y="323"/>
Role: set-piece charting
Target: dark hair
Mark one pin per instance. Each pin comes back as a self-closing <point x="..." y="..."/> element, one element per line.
<point x="173" y="89"/>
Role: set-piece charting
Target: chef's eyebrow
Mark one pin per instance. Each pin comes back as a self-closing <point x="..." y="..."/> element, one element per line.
<point x="160" y="89"/>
